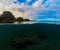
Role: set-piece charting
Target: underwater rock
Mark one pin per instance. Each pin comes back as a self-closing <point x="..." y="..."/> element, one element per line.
<point x="30" y="42"/>
<point x="42" y="36"/>
<point x="18" y="44"/>
<point x="21" y="42"/>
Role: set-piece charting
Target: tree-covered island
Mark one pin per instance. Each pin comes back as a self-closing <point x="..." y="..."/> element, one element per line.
<point x="8" y="17"/>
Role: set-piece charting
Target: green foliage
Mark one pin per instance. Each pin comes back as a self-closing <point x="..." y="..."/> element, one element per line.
<point x="19" y="19"/>
<point x="7" y="17"/>
<point x="26" y="20"/>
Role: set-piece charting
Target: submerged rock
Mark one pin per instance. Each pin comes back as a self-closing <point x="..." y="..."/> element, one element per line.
<point x="25" y="41"/>
<point x="42" y="36"/>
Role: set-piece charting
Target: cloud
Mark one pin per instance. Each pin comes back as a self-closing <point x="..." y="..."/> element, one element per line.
<point x="28" y="0"/>
<point x="28" y="11"/>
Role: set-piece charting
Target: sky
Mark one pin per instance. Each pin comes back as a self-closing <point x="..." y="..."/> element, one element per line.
<point x="33" y="9"/>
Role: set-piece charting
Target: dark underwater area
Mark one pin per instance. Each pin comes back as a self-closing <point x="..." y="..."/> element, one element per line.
<point x="52" y="31"/>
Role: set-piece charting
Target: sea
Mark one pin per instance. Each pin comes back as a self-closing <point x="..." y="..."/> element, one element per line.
<point x="50" y="28"/>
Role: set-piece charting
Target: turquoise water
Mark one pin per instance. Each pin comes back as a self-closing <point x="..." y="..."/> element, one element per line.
<point x="53" y="32"/>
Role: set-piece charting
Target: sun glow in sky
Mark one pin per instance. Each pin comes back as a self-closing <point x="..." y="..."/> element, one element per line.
<point x="33" y="9"/>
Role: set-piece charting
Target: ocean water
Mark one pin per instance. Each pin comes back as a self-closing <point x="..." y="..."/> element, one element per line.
<point x="51" y="30"/>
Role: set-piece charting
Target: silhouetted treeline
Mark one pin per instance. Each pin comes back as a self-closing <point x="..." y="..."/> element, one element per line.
<point x="8" y="17"/>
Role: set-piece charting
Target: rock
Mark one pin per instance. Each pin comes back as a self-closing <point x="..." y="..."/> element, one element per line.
<point x="30" y="42"/>
<point x="18" y="44"/>
<point x="21" y="42"/>
<point x="42" y="36"/>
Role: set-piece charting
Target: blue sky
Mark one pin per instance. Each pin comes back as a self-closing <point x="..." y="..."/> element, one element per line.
<point x="32" y="1"/>
<point x="29" y="3"/>
<point x="34" y="9"/>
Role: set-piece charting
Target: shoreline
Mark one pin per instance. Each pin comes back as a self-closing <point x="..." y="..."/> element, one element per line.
<point x="28" y="24"/>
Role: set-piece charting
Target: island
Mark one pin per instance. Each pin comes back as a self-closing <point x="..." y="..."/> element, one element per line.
<point x="8" y="17"/>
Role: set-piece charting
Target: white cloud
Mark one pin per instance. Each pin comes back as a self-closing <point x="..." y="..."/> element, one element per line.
<point x="37" y="3"/>
<point x="25" y="10"/>
<point x="28" y="0"/>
